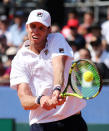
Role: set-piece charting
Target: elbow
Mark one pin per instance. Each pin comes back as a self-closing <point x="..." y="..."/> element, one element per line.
<point x="29" y="107"/>
<point x="26" y="108"/>
<point x="24" y="105"/>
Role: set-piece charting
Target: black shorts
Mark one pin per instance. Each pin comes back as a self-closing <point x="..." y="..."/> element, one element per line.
<point x="73" y="123"/>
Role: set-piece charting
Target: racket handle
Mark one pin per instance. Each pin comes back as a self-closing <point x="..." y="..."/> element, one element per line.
<point x="63" y="95"/>
<point x="66" y="94"/>
<point x="70" y="94"/>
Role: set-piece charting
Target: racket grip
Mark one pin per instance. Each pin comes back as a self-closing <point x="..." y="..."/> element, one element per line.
<point x="70" y="94"/>
<point x="63" y="95"/>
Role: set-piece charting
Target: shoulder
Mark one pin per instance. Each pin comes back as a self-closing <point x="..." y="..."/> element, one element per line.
<point x="17" y="57"/>
<point x="55" y="36"/>
<point x="58" y="45"/>
<point x="56" y="39"/>
<point x="22" y="53"/>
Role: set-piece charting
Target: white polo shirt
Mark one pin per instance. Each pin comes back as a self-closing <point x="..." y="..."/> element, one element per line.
<point x="37" y="71"/>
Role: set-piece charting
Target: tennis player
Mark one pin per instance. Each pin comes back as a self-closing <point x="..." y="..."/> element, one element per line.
<point x="39" y="73"/>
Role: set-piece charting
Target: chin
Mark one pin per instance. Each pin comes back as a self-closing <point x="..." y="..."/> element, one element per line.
<point x="35" y="41"/>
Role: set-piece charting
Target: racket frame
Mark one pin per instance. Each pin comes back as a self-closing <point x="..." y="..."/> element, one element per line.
<point x="74" y="63"/>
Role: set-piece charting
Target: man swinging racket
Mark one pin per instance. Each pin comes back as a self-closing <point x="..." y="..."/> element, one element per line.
<point x="39" y="73"/>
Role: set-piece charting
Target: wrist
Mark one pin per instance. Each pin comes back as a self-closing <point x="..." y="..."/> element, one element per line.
<point x="37" y="100"/>
<point x="57" y="87"/>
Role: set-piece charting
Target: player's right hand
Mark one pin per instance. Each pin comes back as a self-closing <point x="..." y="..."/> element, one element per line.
<point x="56" y="98"/>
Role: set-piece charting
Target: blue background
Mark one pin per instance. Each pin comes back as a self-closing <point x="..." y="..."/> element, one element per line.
<point x="96" y="111"/>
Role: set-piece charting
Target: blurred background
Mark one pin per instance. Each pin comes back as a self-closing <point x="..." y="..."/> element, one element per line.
<point x="84" y="24"/>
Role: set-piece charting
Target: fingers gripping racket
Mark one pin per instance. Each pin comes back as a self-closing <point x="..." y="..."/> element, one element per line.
<point x="84" y="80"/>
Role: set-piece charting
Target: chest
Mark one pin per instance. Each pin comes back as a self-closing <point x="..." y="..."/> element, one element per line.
<point x="40" y="66"/>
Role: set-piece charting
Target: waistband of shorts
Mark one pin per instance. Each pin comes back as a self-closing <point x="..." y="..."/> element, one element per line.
<point x="78" y="114"/>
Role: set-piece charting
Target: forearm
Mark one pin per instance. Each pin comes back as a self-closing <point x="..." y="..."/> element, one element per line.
<point x="28" y="102"/>
<point x="58" y="70"/>
<point x="26" y="98"/>
<point x="59" y="77"/>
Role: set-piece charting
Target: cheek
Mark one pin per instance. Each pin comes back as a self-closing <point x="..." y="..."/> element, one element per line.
<point x="29" y="30"/>
<point x="44" y="36"/>
<point x="29" y="35"/>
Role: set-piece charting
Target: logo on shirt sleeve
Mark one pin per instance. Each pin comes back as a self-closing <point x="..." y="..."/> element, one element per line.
<point x="61" y="50"/>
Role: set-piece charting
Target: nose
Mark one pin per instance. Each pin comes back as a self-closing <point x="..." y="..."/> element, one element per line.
<point x="35" y="30"/>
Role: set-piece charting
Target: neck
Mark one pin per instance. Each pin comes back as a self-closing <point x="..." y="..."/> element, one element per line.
<point x="36" y="48"/>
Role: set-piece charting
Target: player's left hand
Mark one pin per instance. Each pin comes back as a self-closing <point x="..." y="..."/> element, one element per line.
<point x="56" y="98"/>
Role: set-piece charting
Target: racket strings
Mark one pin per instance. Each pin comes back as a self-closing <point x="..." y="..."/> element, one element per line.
<point x="83" y="88"/>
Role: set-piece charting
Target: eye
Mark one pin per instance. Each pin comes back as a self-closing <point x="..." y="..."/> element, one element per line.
<point x="42" y="28"/>
<point x="33" y="26"/>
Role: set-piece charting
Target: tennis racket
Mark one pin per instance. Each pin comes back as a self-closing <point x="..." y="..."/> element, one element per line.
<point x="79" y="87"/>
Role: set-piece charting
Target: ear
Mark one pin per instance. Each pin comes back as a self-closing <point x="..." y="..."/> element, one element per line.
<point x="27" y="27"/>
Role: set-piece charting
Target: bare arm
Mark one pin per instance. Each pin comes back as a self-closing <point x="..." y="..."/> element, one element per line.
<point x="58" y="69"/>
<point x="26" y="98"/>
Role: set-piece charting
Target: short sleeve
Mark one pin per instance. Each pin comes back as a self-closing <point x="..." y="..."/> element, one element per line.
<point x="18" y="73"/>
<point x="60" y="46"/>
